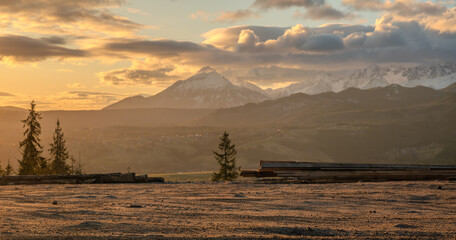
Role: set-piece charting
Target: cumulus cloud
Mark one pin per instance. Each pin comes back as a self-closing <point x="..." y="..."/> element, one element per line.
<point x="323" y="42"/>
<point x="226" y="38"/>
<point x="296" y="38"/>
<point x="24" y="49"/>
<point x="434" y="16"/>
<point x="247" y="40"/>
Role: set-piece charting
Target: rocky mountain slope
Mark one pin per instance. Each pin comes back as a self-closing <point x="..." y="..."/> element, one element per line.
<point x="354" y="104"/>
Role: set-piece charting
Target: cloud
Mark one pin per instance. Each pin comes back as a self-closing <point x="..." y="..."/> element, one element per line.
<point x="4" y="94"/>
<point x="323" y="42"/>
<point x="389" y="40"/>
<point x="224" y="17"/>
<point x="298" y="38"/>
<point x="420" y="38"/>
<point x="125" y="76"/>
<point x="54" y="40"/>
<point x="161" y="48"/>
<point x="76" y="100"/>
<point x="226" y="38"/>
<point x="373" y="5"/>
<point x="282" y="4"/>
<point x="83" y="94"/>
<point x="433" y="16"/>
<point x="66" y="17"/>
<point x="405" y="8"/>
<point x="247" y="40"/>
<point x="24" y="49"/>
<point x="205" y="16"/>
<point x="234" y="16"/>
<point x="272" y="74"/>
<point x="75" y="85"/>
<point x="324" y="12"/>
<point x="316" y="10"/>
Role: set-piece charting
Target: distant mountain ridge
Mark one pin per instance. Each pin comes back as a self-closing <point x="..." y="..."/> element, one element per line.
<point x="437" y="76"/>
<point x="209" y="89"/>
<point x="354" y="104"/>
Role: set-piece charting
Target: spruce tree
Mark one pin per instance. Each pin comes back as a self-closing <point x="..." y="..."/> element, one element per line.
<point x="2" y="172"/>
<point x="9" y="169"/>
<point x="226" y="159"/>
<point x="76" y="167"/>
<point x="59" y="153"/>
<point x="32" y="163"/>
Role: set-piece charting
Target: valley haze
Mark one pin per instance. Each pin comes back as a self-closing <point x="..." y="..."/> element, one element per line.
<point x="377" y="115"/>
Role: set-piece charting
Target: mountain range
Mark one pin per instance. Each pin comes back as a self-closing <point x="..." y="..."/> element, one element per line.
<point x="437" y="76"/>
<point x="209" y="89"/>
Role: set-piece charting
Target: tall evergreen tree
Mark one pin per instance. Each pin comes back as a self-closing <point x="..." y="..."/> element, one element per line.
<point x="226" y="158"/>
<point x="32" y="163"/>
<point x="59" y="153"/>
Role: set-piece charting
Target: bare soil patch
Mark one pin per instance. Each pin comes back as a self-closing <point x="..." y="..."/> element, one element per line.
<point x="387" y="210"/>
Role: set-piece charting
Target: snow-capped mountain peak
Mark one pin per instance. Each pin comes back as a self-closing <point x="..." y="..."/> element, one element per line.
<point x="206" y="69"/>
<point x="206" y="89"/>
<point x="437" y="76"/>
<point x="204" y="79"/>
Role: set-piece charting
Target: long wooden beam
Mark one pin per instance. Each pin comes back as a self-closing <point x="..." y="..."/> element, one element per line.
<point x="75" y="179"/>
<point x="340" y="172"/>
<point x="348" y="166"/>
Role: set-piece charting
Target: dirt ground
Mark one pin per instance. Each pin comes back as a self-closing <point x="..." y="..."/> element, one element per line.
<point x="388" y="210"/>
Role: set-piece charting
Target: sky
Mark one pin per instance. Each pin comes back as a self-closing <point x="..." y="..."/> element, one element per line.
<point x="87" y="54"/>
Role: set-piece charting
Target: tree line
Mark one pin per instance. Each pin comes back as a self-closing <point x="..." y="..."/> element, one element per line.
<point x="32" y="161"/>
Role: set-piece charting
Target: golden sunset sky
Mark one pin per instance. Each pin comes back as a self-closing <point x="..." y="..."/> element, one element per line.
<point x="86" y="54"/>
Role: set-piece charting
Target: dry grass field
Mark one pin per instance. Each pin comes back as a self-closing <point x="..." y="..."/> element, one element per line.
<point x="388" y="210"/>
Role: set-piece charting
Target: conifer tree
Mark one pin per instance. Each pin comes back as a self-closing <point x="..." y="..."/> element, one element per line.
<point x="59" y="153"/>
<point x="2" y="172"/>
<point x="76" y="167"/>
<point x="32" y="163"/>
<point x="9" y="169"/>
<point x="226" y="159"/>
